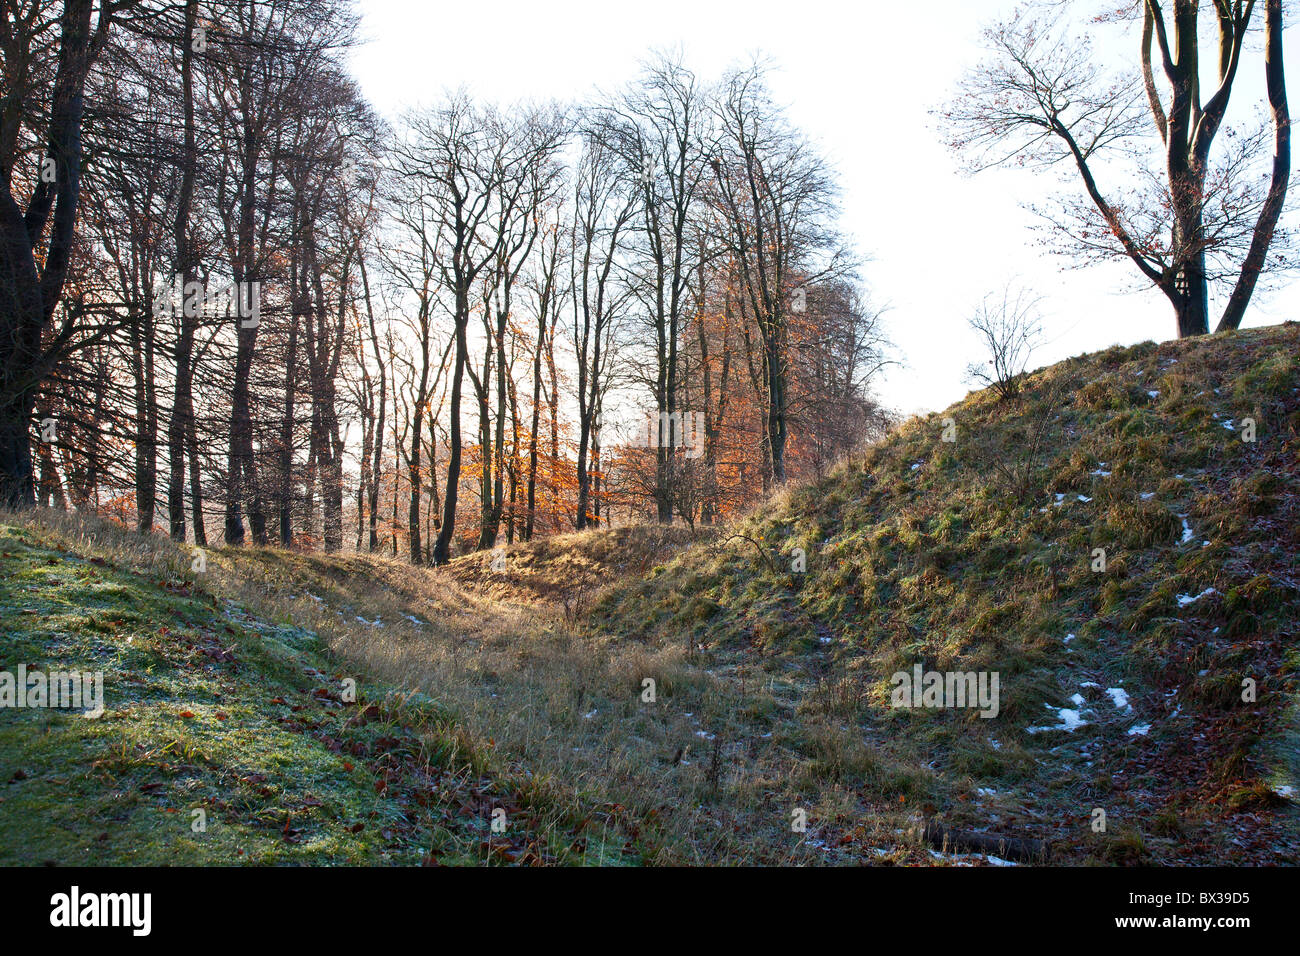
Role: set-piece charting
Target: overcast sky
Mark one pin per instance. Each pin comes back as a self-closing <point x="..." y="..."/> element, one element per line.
<point x="861" y="79"/>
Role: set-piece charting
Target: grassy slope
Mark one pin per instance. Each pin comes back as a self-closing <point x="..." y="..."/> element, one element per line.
<point x="976" y="555"/>
<point x="210" y="707"/>
<point x="771" y="685"/>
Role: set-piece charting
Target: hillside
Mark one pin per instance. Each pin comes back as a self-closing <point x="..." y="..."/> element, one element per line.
<point x="525" y="688"/>
<point x="1120" y="689"/>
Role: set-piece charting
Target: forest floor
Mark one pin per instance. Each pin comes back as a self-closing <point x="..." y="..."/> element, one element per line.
<point x="648" y="695"/>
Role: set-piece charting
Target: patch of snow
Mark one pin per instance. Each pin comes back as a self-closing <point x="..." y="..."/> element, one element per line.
<point x="1154" y="394"/>
<point x="917" y="465"/>
<point x="1078" y="701"/>
<point x="1286" y="791"/>
<point x="1120" y="696"/>
<point x="1070" y="720"/>
<point x="1139" y="730"/>
<point x="1084" y="498"/>
<point x="1069" y="638"/>
<point x="589" y="716"/>
<point x="705" y="734"/>
<point x="1148" y="495"/>
<point x="1184" y="600"/>
<point x="1227" y="423"/>
<point x="1099" y="473"/>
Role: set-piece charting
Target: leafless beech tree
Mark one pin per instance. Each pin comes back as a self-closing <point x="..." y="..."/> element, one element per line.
<point x="778" y="201"/>
<point x="40" y="157"/>
<point x="603" y="207"/>
<point x="1196" y="219"/>
<point x="657" y="129"/>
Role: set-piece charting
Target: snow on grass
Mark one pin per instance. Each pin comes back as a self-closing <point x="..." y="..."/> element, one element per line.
<point x="967" y="859"/>
<point x="1139" y="730"/>
<point x="1071" y="720"/>
<point x="1120" y="696"/>
<point x="1184" y="600"/>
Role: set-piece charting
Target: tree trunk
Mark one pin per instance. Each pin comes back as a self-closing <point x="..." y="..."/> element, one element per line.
<point x="442" y="550"/>
<point x="1266" y="225"/>
<point x="31" y="294"/>
<point x="182" y="396"/>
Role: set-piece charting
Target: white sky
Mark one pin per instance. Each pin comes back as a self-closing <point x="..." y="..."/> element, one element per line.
<point x="860" y="78"/>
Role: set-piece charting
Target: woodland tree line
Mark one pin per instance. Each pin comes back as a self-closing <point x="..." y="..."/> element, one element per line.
<point x="242" y="307"/>
<point x="237" y="304"/>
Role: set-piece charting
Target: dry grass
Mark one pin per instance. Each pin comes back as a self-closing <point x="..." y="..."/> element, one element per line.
<point x="710" y="772"/>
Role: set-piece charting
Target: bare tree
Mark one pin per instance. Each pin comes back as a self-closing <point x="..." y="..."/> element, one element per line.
<point x="1010" y="327"/>
<point x="657" y="129"/>
<point x="41" y="145"/>
<point x="603" y="207"/>
<point x="778" y="201"/>
<point x="1196" y="220"/>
